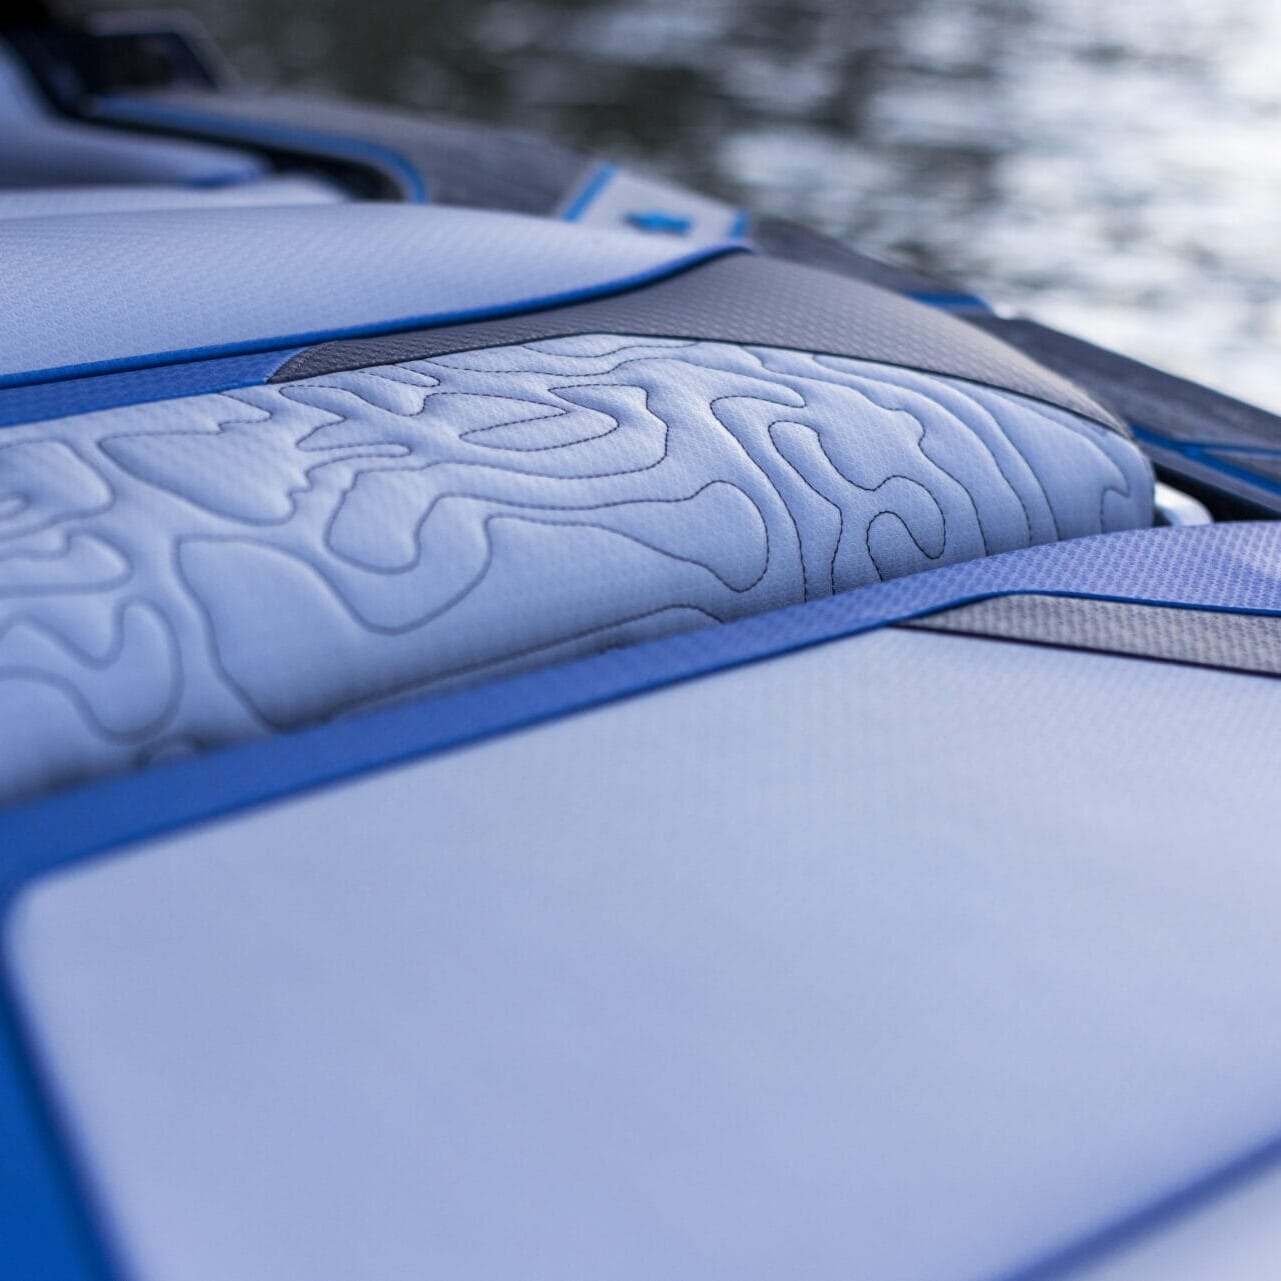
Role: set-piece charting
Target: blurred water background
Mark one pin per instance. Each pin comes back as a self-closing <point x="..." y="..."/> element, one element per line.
<point x="1110" y="167"/>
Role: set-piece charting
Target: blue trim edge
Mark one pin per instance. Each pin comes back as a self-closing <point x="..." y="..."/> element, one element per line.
<point x="277" y="343"/>
<point x="959" y="302"/>
<point x="1229" y="568"/>
<point x="597" y="181"/>
<point x="38" y="402"/>
<point x="1210" y="455"/>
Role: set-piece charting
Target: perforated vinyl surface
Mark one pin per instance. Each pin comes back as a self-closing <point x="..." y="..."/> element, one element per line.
<point x="90" y="292"/>
<point x="745" y="299"/>
<point x="905" y="958"/>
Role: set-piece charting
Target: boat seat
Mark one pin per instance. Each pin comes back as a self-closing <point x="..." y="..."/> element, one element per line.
<point x="466" y="445"/>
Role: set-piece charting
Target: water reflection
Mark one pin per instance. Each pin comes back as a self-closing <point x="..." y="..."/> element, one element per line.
<point x="1109" y="167"/>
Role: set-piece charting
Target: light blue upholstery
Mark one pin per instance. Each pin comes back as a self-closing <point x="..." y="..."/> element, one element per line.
<point x="49" y="202"/>
<point x="192" y="572"/>
<point x="907" y="958"/>
<point x="110" y="290"/>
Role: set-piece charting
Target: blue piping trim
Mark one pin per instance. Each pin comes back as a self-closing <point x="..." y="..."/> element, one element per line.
<point x="741" y="225"/>
<point x="662" y="272"/>
<point x="596" y="182"/>
<point x="1200" y="452"/>
<point x="951" y="301"/>
<point x="41" y="401"/>
<point x="135" y="111"/>
<point x="1230" y="568"/>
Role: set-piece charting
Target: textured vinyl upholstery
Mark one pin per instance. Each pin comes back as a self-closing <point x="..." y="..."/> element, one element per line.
<point x="100" y="290"/>
<point x="51" y="202"/>
<point x="192" y="572"/>
<point x="906" y="958"/>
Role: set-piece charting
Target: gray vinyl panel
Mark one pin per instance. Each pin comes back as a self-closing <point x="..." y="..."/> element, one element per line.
<point x="459" y="163"/>
<point x="779" y="238"/>
<point x="905" y="957"/>
<point x="741" y="298"/>
<point x="1238" y="642"/>
<point x="41" y="149"/>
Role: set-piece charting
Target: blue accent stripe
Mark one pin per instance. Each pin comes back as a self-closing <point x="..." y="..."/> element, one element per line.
<point x="46" y="1228"/>
<point x="952" y="301"/>
<point x="213" y="127"/>
<point x="741" y="225"/>
<point x="40" y="401"/>
<point x="1233" y="568"/>
<point x="1201" y="453"/>
<point x="278" y="343"/>
<point x="596" y="182"/>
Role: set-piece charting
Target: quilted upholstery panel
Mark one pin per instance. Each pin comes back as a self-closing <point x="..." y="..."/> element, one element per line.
<point x="186" y="573"/>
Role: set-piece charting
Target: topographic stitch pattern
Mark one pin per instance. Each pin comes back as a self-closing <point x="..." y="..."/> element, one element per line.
<point x="188" y="573"/>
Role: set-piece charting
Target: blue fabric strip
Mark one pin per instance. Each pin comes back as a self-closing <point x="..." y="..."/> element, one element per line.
<point x="1210" y="455"/>
<point x="960" y="302"/>
<point x="1226" y="567"/>
<point x="39" y="401"/>
<point x="597" y="181"/>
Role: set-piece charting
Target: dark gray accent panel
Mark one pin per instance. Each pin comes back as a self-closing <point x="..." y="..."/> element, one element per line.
<point x="1204" y="638"/>
<point x="460" y="164"/>
<point x="748" y="300"/>
<point x="779" y="238"/>
<point x="1265" y="465"/>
